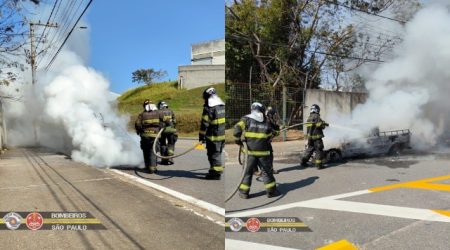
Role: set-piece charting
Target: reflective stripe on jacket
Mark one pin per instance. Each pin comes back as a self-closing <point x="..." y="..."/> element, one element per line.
<point x="258" y="135"/>
<point x="169" y="120"/>
<point x="213" y="123"/>
<point x="314" y="127"/>
<point x="149" y="123"/>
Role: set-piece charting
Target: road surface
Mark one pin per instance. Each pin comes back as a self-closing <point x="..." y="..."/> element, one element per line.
<point x="378" y="203"/>
<point x="135" y="216"/>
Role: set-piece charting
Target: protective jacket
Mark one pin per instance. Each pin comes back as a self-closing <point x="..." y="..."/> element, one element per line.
<point x="257" y="134"/>
<point x="169" y="120"/>
<point x="213" y="123"/>
<point x="149" y="123"/>
<point x="314" y="127"/>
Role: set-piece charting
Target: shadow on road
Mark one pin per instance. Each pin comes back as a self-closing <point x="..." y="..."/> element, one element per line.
<point x="287" y="187"/>
<point x="183" y="173"/>
<point x="262" y="205"/>
<point x="284" y="188"/>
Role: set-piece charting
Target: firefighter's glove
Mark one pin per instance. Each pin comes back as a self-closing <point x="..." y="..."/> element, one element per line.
<point x="202" y="138"/>
<point x="326" y="124"/>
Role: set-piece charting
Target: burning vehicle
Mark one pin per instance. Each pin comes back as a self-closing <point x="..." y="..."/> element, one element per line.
<point x="376" y="143"/>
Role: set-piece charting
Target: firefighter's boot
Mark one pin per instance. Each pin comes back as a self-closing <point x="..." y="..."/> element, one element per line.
<point x="213" y="175"/>
<point x="273" y="193"/>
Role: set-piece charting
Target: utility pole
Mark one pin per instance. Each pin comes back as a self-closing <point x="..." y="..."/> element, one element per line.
<point x="250" y="85"/>
<point x="33" y="49"/>
<point x="284" y="89"/>
<point x="34" y="68"/>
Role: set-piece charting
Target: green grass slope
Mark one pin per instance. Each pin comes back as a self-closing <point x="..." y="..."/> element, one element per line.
<point x="187" y="104"/>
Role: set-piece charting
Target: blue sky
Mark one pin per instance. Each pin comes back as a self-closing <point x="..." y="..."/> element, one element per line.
<point x="128" y="35"/>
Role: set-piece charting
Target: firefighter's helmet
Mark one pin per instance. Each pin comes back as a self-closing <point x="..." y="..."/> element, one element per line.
<point x="209" y="92"/>
<point x="146" y="102"/>
<point x="258" y="107"/>
<point x="315" y="109"/>
<point x="162" y="104"/>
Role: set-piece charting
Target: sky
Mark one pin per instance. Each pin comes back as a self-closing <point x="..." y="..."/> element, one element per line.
<point x="130" y="35"/>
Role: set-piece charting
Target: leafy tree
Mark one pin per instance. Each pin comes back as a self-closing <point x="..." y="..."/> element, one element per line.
<point x="295" y="42"/>
<point x="148" y="76"/>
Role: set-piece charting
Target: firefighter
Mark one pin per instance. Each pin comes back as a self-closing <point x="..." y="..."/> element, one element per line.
<point x="314" y="134"/>
<point x="274" y="119"/>
<point x="258" y="133"/>
<point x="168" y="136"/>
<point x="147" y="125"/>
<point x="212" y="132"/>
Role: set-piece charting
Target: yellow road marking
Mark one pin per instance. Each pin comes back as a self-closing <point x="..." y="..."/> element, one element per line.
<point x="339" y="245"/>
<point x="443" y="212"/>
<point x="419" y="184"/>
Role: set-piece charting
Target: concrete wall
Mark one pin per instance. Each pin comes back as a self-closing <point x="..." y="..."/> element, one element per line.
<point x="210" y="52"/>
<point x="332" y="101"/>
<point x="194" y="76"/>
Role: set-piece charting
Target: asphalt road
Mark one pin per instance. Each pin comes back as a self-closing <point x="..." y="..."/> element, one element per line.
<point x="135" y="217"/>
<point x="415" y="215"/>
<point x="186" y="175"/>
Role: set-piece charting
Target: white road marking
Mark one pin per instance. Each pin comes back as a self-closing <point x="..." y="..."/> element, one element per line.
<point x="187" y="198"/>
<point x="332" y="203"/>
<point x="239" y="245"/>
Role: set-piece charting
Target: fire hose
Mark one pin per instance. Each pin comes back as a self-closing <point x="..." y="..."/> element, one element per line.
<point x="243" y="150"/>
<point x="292" y="126"/>
<point x="172" y="156"/>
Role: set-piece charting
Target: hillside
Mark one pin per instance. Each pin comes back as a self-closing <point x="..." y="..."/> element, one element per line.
<point x="187" y="104"/>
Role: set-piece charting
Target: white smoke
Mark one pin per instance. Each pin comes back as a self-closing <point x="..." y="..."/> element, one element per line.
<point x="72" y="110"/>
<point x="410" y="91"/>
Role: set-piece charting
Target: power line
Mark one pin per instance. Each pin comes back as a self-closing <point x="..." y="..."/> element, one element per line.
<point x="364" y="11"/>
<point x="58" y="37"/>
<point x="235" y="37"/>
<point x="48" y="21"/>
<point x="61" y="32"/>
<point x="68" y="35"/>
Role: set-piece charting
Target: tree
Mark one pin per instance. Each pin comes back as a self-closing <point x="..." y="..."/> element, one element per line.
<point x="148" y="76"/>
<point x="288" y="41"/>
<point x="13" y="37"/>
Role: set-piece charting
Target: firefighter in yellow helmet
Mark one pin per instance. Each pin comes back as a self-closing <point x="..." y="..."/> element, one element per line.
<point x="147" y="126"/>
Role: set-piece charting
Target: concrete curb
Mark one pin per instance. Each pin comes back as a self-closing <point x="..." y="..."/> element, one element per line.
<point x="194" y="201"/>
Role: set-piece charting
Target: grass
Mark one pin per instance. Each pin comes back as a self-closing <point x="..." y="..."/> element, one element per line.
<point x="186" y="104"/>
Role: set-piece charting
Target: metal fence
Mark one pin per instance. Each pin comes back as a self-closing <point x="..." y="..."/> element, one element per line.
<point x="287" y="101"/>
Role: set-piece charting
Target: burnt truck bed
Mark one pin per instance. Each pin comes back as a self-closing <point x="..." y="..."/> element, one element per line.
<point x="378" y="143"/>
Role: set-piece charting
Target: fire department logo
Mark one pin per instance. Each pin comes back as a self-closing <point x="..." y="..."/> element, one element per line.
<point x="12" y="220"/>
<point x="253" y="225"/>
<point x="236" y="224"/>
<point x="34" y="221"/>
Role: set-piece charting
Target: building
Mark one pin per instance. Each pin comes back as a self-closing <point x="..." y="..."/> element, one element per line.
<point x="207" y="65"/>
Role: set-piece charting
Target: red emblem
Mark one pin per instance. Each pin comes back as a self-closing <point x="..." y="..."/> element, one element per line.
<point x="34" y="221"/>
<point x="253" y="225"/>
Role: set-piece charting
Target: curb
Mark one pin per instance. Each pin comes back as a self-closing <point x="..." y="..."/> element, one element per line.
<point x="194" y="201"/>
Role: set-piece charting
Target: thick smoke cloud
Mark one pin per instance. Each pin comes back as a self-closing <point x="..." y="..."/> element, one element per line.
<point x="72" y="110"/>
<point x="411" y="90"/>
